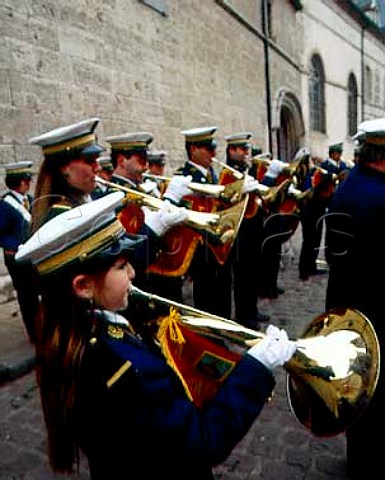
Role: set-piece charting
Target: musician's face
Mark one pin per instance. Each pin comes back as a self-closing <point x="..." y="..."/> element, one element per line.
<point x="112" y="289"/>
<point x="239" y="154"/>
<point x="134" y="166"/>
<point x="156" y="169"/>
<point x="80" y="173"/>
<point x="336" y="156"/>
<point x="105" y="174"/>
<point x="25" y="185"/>
<point x="202" y="155"/>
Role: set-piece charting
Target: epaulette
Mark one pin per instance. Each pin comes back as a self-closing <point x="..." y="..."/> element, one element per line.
<point x="115" y="377"/>
<point x="115" y="326"/>
<point x="115" y="329"/>
<point x="115" y="323"/>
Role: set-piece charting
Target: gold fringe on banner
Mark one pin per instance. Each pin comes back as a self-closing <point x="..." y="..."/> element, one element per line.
<point x="169" y="331"/>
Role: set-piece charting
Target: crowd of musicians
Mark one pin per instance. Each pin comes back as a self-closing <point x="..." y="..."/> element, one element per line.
<point x="219" y="225"/>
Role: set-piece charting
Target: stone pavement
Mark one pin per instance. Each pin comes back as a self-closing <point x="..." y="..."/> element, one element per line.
<point x="277" y="447"/>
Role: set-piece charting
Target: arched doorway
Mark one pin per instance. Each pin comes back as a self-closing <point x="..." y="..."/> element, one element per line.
<point x="288" y="126"/>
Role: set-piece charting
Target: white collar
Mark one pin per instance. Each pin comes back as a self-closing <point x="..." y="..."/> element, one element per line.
<point x="18" y="195"/>
<point x="17" y="204"/>
<point x="113" y="318"/>
<point x="333" y="162"/>
<point x="125" y="179"/>
<point x="203" y="170"/>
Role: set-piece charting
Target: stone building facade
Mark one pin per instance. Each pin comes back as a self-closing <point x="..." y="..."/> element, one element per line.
<point x="348" y="46"/>
<point x="167" y="65"/>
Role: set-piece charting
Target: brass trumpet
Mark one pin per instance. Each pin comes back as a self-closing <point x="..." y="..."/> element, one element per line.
<point x="230" y="192"/>
<point x="261" y="189"/>
<point x="238" y="175"/>
<point x="222" y="225"/>
<point x="331" y="377"/>
<point x="261" y="160"/>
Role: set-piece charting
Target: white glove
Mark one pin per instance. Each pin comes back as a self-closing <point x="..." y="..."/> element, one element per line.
<point x="275" y="168"/>
<point x="275" y="349"/>
<point x="148" y="186"/>
<point x="165" y="218"/>
<point x="250" y="184"/>
<point x="178" y="188"/>
<point x="293" y="191"/>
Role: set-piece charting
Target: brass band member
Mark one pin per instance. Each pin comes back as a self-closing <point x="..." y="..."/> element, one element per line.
<point x="129" y="153"/>
<point x="105" y="171"/>
<point x="245" y="257"/>
<point x="104" y="391"/>
<point x="156" y="164"/>
<point x="15" y="224"/>
<point x="67" y="173"/>
<point x="211" y="282"/>
<point x="356" y="239"/>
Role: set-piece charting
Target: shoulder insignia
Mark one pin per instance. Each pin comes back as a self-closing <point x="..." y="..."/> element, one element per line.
<point x="115" y="377"/>
<point x="115" y="331"/>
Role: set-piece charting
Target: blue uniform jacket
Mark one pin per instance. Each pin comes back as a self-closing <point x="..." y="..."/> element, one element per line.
<point x="356" y="242"/>
<point x="197" y="176"/>
<point x="144" y="426"/>
<point x="14" y="227"/>
<point x="332" y="168"/>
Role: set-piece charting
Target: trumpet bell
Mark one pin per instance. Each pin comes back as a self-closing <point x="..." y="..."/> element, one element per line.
<point x="333" y="375"/>
<point x="331" y="378"/>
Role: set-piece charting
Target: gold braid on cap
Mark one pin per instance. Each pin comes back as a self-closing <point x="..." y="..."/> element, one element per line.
<point x="18" y="171"/>
<point x="200" y="138"/>
<point x="83" y="249"/>
<point x="239" y="142"/>
<point x="70" y="144"/>
<point x="128" y="145"/>
<point x="380" y="141"/>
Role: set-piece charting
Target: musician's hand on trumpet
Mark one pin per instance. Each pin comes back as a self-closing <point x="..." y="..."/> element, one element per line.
<point x="150" y="187"/>
<point x="178" y="188"/>
<point x="275" y="349"/>
<point x="161" y="220"/>
<point x="250" y="185"/>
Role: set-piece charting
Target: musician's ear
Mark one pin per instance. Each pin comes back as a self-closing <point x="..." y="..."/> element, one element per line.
<point x="120" y="159"/>
<point x="83" y="286"/>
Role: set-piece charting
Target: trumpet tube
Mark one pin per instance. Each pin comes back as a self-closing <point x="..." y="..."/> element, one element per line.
<point x="260" y="160"/>
<point x="201" y="188"/>
<point x="331" y="377"/>
<point x="195" y="219"/>
<point x="221" y="225"/>
<point x="237" y="175"/>
<point x="230" y="192"/>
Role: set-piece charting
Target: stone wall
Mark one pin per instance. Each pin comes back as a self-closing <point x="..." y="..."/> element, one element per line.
<point x="129" y="65"/>
<point x="201" y="64"/>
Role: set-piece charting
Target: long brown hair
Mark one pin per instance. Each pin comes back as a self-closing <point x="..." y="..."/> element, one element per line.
<point x="63" y="327"/>
<point x="51" y="187"/>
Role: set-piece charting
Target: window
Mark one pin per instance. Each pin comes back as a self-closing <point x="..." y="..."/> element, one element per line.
<point x="317" y="95"/>
<point x="352" y="105"/>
